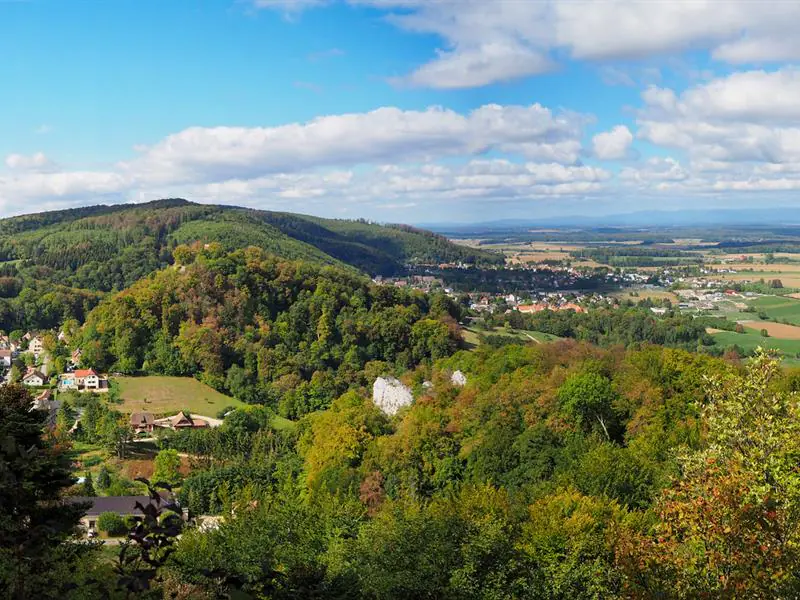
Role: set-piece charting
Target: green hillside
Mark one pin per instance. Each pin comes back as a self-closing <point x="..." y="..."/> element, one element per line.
<point x="107" y="248"/>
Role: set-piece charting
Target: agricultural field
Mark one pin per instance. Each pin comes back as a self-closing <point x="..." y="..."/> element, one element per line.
<point x="779" y="308"/>
<point x="752" y="339"/>
<point x="656" y="295"/>
<point x="167" y="395"/>
<point x="777" y="330"/>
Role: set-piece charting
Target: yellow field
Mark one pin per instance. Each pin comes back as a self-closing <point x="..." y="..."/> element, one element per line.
<point x="776" y="330"/>
<point x="791" y="280"/>
<point x="643" y="294"/>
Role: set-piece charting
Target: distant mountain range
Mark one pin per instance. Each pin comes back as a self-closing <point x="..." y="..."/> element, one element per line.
<point x="642" y="219"/>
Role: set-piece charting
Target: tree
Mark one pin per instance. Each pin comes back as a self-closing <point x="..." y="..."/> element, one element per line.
<point x="764" y="333"/>
<point x="87" y="488"/>
<point x="150" y="543"/>
<point x="588" y="398"/>
<point x="103" y="478"/>
<point x="115" y="433"/>
<point x="730" y="527"/>
<point x="33" y="523"/>
<point x="167" y="467"/>
<point x="65" y="419"/>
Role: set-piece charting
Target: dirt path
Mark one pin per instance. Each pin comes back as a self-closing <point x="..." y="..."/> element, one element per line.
<point x="533" y="338"/>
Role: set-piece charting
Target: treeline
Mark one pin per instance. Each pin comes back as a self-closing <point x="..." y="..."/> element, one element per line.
<point x="504" y="280"/>
<point x="607" y="326"/>
<point x="290" y="335"/>
<point x="627" y="256"/>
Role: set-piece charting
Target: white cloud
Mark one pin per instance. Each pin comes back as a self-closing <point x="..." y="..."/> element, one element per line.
<point x="488" y="41"/>
<point x="385" y="134"/>
<point x="479" y="66"/>
<point x="367" y="159"/>
<point x="614" y="144"/>
<point x="30" y="162"/>
<point x="747" y="116"/>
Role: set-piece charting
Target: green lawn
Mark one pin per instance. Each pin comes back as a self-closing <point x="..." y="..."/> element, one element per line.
<point x="282" y="423"/>
<point x="471" y="335"/>
<point x="168" y="395"/>
<point x="779" y="308"/>
<point x="750" y="340"/>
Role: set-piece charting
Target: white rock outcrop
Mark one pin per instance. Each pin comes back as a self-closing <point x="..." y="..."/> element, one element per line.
<point x="458" y="378"/>
<point x="390" y="395"/>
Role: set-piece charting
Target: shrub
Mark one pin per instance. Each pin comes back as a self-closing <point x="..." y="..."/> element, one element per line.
<point x="112" y="523"/>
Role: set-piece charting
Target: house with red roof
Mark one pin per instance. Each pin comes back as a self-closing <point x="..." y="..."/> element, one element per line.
<point x="83" y="380"/>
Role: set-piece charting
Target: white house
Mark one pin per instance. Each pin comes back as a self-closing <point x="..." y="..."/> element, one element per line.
<point x="5" y="357"/>
<point x="34" y="378"/>
<point x="36" y="346"/>
<point x="83" y="380"/>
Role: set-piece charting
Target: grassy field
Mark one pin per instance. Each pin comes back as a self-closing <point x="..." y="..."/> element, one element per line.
<point x="779" y="307"/>
<point x="471" y="335"/>
<point x="168" y="395"/>
<point x="645" y="293"/>
<point x="750" y="340"/>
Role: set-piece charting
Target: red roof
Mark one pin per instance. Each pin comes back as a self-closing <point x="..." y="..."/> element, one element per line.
<point x="85" y="372"/>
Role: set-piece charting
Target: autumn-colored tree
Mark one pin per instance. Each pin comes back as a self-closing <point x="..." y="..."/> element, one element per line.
<point x="730" y="526"/>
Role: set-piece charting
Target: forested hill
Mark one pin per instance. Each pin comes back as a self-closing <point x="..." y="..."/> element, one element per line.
<point x="108" y="248"/>
<point x="267" y="330"/>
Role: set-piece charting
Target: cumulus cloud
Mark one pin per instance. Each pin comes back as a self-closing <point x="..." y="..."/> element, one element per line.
<point x="385" y="134"/>
<point x="385" y="156"/>
<point x="479" y="66"/>
<point x="614" y="144"/>
<point x="30" y="162"/>
<point x="747" y="116"/>
<point x="488" y="41"/>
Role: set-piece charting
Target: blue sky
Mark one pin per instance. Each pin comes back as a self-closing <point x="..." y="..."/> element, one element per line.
<point x="401" y="110"/>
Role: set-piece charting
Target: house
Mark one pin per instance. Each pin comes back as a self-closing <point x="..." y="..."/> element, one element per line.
<point x="83" y="380"/>
<point x="44" y="401"/>
<point x="76" y="357"/>
<point x="36" y="346"/>
<point x="5" y="357"/>
<point x="142" y="421"/>
<point x="183" y="421"/>
<point x="34" y="378"/>
<point x="124" y="506"/>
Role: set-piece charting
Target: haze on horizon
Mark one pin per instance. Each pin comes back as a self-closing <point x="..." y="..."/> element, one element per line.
<point x="402" y="110"/>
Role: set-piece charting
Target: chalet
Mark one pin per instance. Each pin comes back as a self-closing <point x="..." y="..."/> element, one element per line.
<point x="34" y="378"/>
<point x="83" y="380"/>
<point x="142" y="422"/>
<point x="184" y="421"/>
